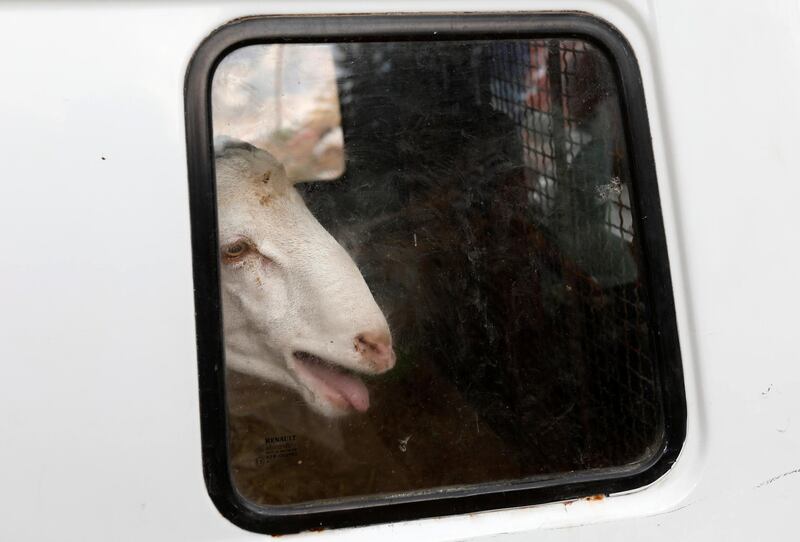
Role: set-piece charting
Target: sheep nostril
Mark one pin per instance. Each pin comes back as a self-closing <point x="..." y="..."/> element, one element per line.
<point x="376" y="348"/>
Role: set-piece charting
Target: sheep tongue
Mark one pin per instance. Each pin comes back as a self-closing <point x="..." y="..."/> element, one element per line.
<point x="348" y="386"/>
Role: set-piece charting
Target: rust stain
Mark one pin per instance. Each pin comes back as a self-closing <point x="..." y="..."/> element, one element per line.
<point x="598" y="497"/>
<point x="263" y="199"/>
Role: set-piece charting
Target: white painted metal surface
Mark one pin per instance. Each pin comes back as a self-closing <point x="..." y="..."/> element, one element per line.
<point x="99" y="425"/>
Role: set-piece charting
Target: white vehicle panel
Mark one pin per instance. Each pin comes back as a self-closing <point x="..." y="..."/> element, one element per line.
<point x="99" y="400"/>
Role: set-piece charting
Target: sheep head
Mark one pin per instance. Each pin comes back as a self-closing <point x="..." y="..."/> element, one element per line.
<point x="296" y="309"/>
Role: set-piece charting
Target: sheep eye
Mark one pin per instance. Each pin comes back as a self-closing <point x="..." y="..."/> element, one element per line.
<point x="235" y="250"/>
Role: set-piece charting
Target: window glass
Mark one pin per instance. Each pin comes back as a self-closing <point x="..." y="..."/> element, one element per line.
<point x="283" y="99"/>
<point x="430" y="271"/>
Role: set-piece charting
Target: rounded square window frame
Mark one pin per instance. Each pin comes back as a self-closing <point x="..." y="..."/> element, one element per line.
<point x="210" y="343"/>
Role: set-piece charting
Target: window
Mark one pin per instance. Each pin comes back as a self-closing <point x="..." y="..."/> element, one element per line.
<point x="430" y="268"/>
<point x="283" y="98"/>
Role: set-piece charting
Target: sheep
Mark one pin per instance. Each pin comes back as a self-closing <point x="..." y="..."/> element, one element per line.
<point x="296" y="310"/>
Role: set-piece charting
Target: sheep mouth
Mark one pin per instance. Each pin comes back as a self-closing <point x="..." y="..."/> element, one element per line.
<point x="332" y="383"/>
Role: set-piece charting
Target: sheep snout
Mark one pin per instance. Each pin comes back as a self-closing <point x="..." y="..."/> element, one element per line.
<point x="376" y="349"/>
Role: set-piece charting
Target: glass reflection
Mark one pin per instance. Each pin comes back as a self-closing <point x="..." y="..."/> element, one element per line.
<point x="486" y="206"/>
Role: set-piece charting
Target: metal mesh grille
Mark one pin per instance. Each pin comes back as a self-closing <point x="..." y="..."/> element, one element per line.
<point x="540" y="105"/>
<point x="558" y="93"/>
